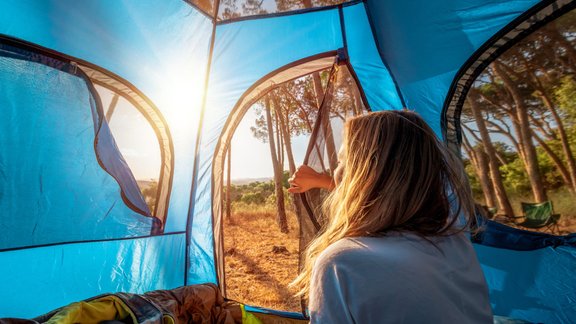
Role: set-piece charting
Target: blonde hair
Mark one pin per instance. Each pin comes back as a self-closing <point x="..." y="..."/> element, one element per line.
<point x="397" y="176"/>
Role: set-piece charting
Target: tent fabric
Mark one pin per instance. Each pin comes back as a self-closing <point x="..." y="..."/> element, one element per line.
<point x="535" y="286"/>
<point x="426" y="42"/>
<point x="37" y="280"/>
<point x="501" y="236"/>
<point x="229" y="81"/>
<point x="197" y="71"/>
<point x="374" y="76"/>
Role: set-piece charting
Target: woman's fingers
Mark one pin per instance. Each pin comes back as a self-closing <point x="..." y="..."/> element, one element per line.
<point x="294" y="186"/>
<point x="294" y="189"/>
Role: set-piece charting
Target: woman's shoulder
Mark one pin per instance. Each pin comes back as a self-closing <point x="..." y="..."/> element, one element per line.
<point x="349" y="249"/>
<point x="396" y="247"/>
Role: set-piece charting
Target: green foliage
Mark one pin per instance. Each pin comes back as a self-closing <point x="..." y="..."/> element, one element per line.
<point x="253" y="198"/>
<point x="259" y="193"/>
<point x="473" y="180"/>
<point x="565" y="96"/>
<point x="552" y="178"/>
<point x="515" y="177"/>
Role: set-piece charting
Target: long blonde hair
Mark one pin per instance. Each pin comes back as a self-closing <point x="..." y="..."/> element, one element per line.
<point x="397" y="176"/>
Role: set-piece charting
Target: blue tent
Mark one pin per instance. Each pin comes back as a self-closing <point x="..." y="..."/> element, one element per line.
<point x="73" y="221"/>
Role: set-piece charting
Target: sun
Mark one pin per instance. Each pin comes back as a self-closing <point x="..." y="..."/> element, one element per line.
<point x="180" y="99"/>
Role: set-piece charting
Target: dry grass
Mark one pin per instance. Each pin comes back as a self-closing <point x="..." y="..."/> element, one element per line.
<point x="260" y="261"/>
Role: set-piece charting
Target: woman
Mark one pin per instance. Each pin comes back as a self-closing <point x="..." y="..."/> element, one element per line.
<point x="394" y="249"/>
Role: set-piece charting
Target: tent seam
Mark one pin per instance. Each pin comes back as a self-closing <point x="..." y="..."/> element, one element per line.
<point x="191" y="205"/>
<point x="370" y="22"/>
<point x="89" y="241"/>
<point x="347" y="62"/>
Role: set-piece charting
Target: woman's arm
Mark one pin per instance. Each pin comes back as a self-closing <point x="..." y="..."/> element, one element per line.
<point x="305" y="178"/>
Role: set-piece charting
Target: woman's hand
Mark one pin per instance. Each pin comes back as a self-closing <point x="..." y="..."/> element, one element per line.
<point x="305" y="178"/>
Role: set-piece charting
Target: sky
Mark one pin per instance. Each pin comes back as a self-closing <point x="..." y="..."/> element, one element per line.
<point x="251" y="157"/>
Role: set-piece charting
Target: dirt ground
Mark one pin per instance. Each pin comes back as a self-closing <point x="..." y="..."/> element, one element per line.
<point x="261" y="261"/>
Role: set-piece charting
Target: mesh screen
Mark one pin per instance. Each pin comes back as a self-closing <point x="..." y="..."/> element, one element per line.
<point x="230" y="9"/>
<point x="207" y="6"/>
<point x="342" y="100"/>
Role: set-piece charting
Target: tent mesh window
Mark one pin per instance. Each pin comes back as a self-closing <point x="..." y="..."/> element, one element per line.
<point x="143" y="137"/>
<point x="206" y="6"/>
<point x="518" y="128"/>
<point x="233" y="9"/>
<point x="297" y="122"/>
<point x="136" y="141"/>
<point x="53" y="121"/>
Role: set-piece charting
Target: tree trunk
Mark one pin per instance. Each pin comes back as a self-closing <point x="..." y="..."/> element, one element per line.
<point x="229" y="184"/>
<point x="281" y="210"/>
<point x="482" y="168"/>
<point x="556" y="159"/>
<point x="530" y="156"/>
<point x="112" y="107"/>
<point x="357" y="107"/>
<point x="285" y="128"/>
<point x="285" y="132"/>
<point x="329" y="139"/>
<point x="279" y="140"/>
<point x="501" y="196"/>
<point x="563" y="138"/>
<point x="222" y="193"/>
<point x="306" y="118"/>
<point x="546" y="99"/>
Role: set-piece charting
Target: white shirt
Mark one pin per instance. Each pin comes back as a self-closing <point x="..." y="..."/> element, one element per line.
<point x="399" y="278"/>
